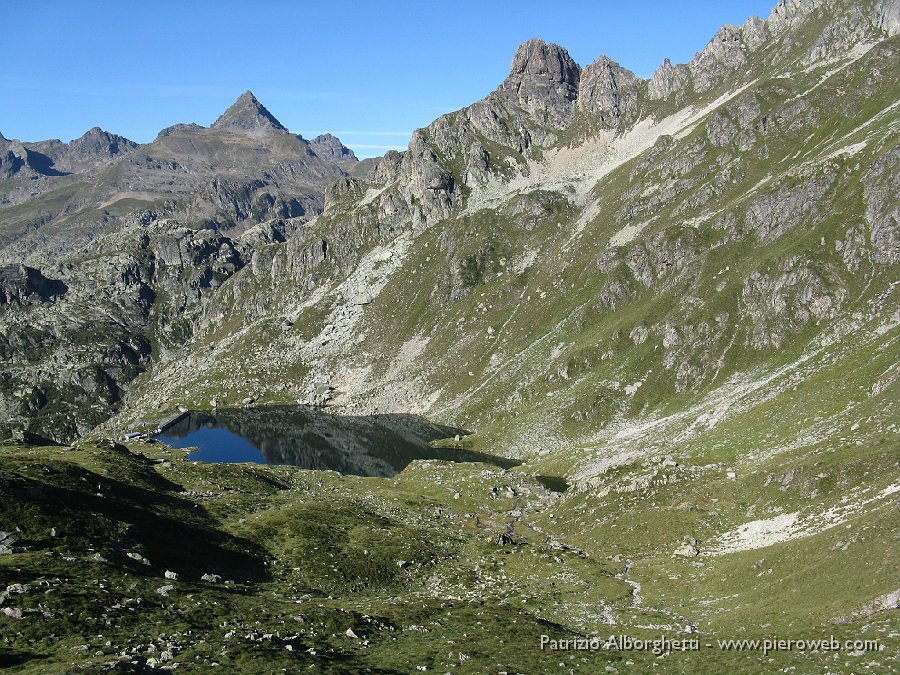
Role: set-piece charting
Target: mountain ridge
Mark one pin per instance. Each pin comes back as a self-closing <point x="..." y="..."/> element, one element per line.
<point x="428" y="179"/>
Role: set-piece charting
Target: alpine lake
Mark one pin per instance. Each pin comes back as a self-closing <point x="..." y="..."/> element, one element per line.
<point x="367" y="445"/>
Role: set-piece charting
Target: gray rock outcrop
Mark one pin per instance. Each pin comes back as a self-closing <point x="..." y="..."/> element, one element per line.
<point x="609" y="91"/>
<point x="543" y="81"/>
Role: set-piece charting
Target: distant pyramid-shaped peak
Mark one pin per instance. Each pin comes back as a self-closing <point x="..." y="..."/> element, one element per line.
<point x="247" y="114"/>
<point x="94" y="136"/>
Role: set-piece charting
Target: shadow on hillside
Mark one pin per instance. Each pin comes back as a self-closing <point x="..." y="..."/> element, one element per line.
<point x="368" y="445"/>
<point x="43" y="164"/>
<point x="10" y="658"/>
<point x="553" y="483"/>
<point x="171" y="531"/>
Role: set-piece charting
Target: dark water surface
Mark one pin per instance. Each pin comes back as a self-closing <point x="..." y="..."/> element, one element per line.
<point x="372" y="445"/>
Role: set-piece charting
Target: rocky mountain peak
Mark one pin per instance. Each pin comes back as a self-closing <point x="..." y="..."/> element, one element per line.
<point x="667" y="80"/>
<point x="726" y="52"/>
<point x="543" y="80"/>
<point x="247" y="114"/>
<point x="607" y="89"/>
<point x="786" y="12"/>
<point x="179" y="129"/>
<point x="679" y="314"/>
<point x="328" y="146"/>
<point x="538" y="61"/>
<point x="97" y="142"/>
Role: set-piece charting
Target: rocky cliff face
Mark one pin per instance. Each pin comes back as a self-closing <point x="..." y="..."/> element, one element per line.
<point x="522" y="186"/>
<point x="23" y="285"/>
<point x="542" y="82"/>
<point x="609" y="92"/>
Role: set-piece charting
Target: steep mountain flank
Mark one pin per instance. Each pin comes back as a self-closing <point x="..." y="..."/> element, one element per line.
<point x="598" y="199"/>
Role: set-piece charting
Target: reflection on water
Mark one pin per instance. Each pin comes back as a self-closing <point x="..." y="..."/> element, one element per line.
<point x="553" y="483"/>
<point x="374" y="445"/>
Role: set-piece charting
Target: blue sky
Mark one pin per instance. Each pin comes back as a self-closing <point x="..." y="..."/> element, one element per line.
<point x="370" y="72"/>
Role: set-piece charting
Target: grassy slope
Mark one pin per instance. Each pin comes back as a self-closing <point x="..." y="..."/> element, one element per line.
<point x="412" y="569"/>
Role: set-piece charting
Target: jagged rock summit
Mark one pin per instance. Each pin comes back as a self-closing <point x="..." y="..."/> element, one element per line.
<point x="608" y="90"/>
<point x="247" y="114"/>
<point x="328" y="146"/>
<point x="97" y="142"/>
<point x="543" y="80"/>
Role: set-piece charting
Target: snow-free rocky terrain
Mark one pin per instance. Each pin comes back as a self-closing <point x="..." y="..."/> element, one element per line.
<point x="663" y="312"/>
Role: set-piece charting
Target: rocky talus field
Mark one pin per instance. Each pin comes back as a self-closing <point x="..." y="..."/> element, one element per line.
<point x="654" y="324"/>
